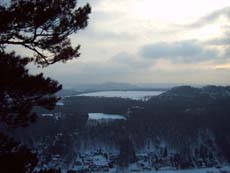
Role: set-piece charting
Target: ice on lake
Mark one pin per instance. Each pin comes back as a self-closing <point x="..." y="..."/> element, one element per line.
<point x="100" y="116"/>
<point x="134" y="95"/>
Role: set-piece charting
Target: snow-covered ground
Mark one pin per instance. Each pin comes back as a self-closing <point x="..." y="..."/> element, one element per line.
<point x="225" y="169"/>
<point x="100" y="116"/>
<point x="135" y="95"/>
<point x="201" y="170"/>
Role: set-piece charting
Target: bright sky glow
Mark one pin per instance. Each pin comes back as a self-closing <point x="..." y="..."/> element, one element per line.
<point x="151" y="41"/>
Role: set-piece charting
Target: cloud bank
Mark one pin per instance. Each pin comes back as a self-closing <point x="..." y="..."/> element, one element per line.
<point x="189" y="51"/>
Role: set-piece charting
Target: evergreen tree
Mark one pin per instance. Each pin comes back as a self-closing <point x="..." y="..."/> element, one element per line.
<point x="15" y="157"/>
<point x="165" y="154"/>
<point x="20" y="91"/>
<point x="43" y="27"/>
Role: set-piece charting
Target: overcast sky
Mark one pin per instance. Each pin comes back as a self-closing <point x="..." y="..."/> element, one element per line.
<point x="151" y="41"/>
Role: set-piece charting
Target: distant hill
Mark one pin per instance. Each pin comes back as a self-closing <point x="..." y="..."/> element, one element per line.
<point x="105" y="86"/>
<point x="67" y="92"/>
<point x="85" y="88"/>
<point x="188" y="91"/>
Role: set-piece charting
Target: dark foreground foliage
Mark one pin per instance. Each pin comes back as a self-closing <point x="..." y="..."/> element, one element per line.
<point x="41" y="27"/>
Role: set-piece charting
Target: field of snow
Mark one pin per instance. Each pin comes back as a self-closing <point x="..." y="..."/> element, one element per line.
<point x="135" y="95"/>
<point x="100" y="116"/>
<point x="225" y="169"/>
<point x="201" y="170"/>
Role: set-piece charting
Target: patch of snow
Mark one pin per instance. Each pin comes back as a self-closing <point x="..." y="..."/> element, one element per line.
<point x="47" y="115"/>
<point x="134" y="167"/>
<point x="100" y="160"/>
<point x="100" y="116"/>
<point x="60" y="103"/>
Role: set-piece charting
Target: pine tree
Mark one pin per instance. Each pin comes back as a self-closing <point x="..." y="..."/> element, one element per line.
<point x="15" y="157"/>
<point x="42" y="27"/>
<point x="20" y="91"/>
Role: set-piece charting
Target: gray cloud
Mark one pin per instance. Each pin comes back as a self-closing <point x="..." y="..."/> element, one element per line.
<point x="125" y="58"/>
<point x="219" y="41"/>
<point x="99" y="30"/>
<point x="189" y="51"/>
<point x="88" y="72"/>
<point x="226" y="54"/>
<point x="93" y="33"/>
<point x="224" y="42"/>
<point x="210" y="18"/>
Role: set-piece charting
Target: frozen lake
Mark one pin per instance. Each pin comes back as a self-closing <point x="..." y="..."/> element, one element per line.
<point x="100" y="116"/>
<point x="135" y="95"/>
